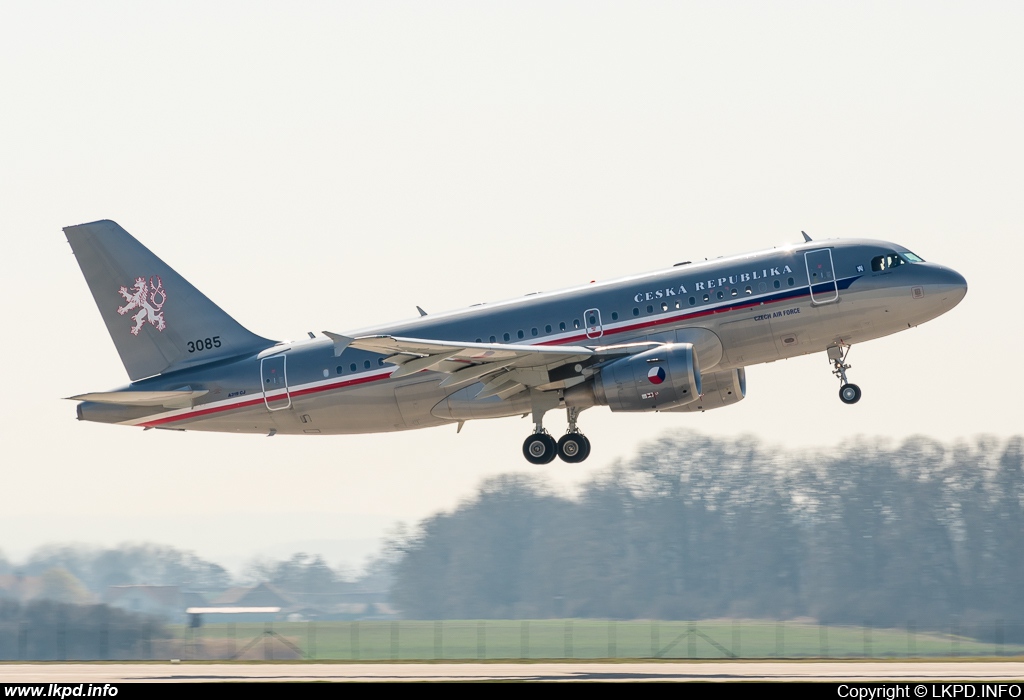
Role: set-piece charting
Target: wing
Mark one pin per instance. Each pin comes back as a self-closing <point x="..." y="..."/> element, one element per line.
<point x="504" y="369"/>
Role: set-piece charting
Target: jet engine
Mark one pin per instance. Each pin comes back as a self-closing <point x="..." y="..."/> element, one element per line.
<point x="655" y="380"/>
<point x="720" y="389"/>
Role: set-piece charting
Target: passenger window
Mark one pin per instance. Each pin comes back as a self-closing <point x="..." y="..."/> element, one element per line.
<point x="533" y="331"/>
<point x="352" y="367"/>
<point x="547" y="328"/>
<point x="707" y="297"/>
<point x="576" y="323"/>
<point x="720" y="294"/>
<point x="493" y="339"/>
<point x="790" y="281"/>
<point x="479" y="340"/>
<point x="615" y="315"/>
<point x="561" y="326"/>
<point x="778" y="284"/>
<point x="650" y="309"/>
<point x="592" y="320"/>
<point x="748" y="290"/>
<point x="734" y="291"/>
<point x="636" y="311"/>
<point x="366" y="364"/>
<point x="693" y="301"/>
<point x="380" y="361"/>
<point x="664" y="306"/>
<point x="507" y="337"/>
<point x="339" y="369"/>
<point x="520" y="334"/>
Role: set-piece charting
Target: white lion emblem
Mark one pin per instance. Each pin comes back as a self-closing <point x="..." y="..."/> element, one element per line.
<point x="144" y="298"/>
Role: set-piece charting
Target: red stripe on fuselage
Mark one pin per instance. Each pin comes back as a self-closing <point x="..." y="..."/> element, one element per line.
<point x="253" y="402"/>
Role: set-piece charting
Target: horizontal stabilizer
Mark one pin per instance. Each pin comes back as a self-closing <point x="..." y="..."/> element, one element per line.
<point x="169" y="399"/>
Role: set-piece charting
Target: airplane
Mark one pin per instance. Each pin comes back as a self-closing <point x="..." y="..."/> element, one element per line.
<point x="675" y="340"/>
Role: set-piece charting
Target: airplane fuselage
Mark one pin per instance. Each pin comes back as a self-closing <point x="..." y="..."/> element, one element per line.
<point x="735" y="311"/>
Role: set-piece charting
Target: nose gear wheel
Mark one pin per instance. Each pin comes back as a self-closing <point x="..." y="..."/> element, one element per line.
<point x="848" y="393"/>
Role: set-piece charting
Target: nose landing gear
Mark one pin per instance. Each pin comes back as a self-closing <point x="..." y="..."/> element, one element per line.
<point x="848" y="393"/>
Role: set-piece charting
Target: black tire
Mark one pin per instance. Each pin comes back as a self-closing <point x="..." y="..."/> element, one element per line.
<point x="570" y="447"/>
<point x="540" y="448"/>
<point x="849" y="393"/>
<point x="585" y="452"/>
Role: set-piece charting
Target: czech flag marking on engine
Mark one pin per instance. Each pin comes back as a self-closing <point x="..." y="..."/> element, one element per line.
<point x="656" y="375"/>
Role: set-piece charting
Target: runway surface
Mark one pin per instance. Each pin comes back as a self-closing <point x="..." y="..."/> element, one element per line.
<point x="868" y="671"/>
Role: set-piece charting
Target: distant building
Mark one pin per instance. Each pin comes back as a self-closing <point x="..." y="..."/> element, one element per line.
<point x="168" y="602"/>
<point x="239" y="604"/>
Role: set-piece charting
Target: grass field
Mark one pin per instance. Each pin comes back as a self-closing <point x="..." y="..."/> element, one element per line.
<point x="570" y="639"/>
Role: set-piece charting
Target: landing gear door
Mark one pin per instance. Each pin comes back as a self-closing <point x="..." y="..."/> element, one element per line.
<point x="273" y="371"/>
<point x="592" y="317"/>
<point x="821" y="276"/>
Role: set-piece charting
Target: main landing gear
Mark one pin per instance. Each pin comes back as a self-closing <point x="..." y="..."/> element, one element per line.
<point x="848" y="393"/>
<point x="573" y="447"/>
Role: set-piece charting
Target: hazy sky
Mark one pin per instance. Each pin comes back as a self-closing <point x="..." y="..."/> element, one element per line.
<point x="327" y="166"/>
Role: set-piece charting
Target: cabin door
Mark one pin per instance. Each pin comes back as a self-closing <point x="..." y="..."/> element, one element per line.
<point x="821" y="276"/>
<point x="274" y="374"/>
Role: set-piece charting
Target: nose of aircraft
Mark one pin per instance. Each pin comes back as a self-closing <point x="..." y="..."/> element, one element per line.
<point x="949" y="284"/>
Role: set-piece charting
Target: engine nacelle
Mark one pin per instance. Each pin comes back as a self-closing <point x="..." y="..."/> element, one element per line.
<point x="720" y="389"/>
<point x="655" y="380"/>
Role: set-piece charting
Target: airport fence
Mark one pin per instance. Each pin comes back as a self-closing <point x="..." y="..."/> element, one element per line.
<point x="508" y="639"/>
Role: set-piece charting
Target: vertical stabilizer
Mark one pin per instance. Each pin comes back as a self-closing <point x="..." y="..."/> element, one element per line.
<point x="157" y="320"/>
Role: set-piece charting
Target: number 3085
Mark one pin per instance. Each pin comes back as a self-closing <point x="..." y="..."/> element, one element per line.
<point x="204" y="344"/>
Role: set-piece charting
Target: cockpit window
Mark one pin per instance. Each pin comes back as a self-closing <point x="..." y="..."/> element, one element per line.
<point x="886" y="262"/>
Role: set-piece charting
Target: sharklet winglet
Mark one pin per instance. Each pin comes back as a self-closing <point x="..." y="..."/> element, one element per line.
<point x="340" y="342"/>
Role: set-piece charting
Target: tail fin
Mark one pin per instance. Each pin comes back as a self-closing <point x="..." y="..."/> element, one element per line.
<point x="157" y="320"/>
